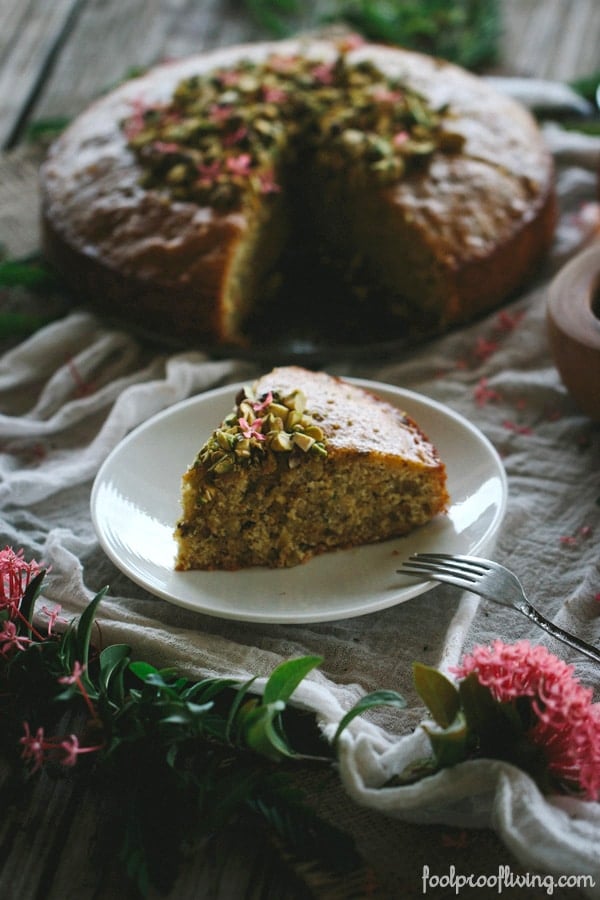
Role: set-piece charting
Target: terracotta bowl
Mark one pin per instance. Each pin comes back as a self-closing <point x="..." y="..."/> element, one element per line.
<point x="573" y="314"/>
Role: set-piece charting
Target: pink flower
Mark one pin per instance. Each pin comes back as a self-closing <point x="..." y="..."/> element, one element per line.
<point x="323" y="73"/>
<point x="239" y="165"/>
<point x="39" y="748"/>
<point x="10" y="639"/>
<point x="385" y="95"/>
<point x="209" y="173"/>
<point x="400" y="138"/>
<point x="567" y="726"/>
<point x="34" y="746"/>
<point x="229" y="77"/>
<point x="220" y="113"/>
<point x="15" y="576"/>
<point x="260" y="406"/>
<point x="166" y="147"/>
<point x="251" y="430"/>
<point x="274" y="94"/>
<point x="281" y="64"/>
<point x="53" y="616"/>
<point x="75" y="676"/>
<point x="70" y="747"/>
<point x="351" y="42"/>
<point x="137" y="121"/>
<point x="235" y="137"/>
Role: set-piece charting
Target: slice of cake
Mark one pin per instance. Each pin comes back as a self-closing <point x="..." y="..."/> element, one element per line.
<point x="305" y="463"/>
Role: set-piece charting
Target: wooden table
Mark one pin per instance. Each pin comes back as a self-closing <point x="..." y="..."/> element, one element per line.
<point x="55" y="57"/>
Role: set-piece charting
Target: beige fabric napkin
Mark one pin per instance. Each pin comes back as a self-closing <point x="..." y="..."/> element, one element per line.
<point x="70" y="393"/>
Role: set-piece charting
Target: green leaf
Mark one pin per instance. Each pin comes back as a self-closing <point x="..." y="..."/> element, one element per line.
<point x="377" y="698"/>
<point x="284" y="679"/>
<point x="29" y="272"/>
<point x="261" y="733"/>
<point x="311" y="839"/>
<point x="587" y="86"/>
<point x="495" y="725"/>
<point x="112" y="657"/>
<point x="114" y="660"/>
<point x="31" y="594"/>
<point x="46" y="128"/>
<point x="208" y="688"/>
<point x="450" y="745"/>
<point x="142" y="669"/>
<point x="438" y="693"/>
<point x="83" y="633"/>
<point x="231" y="725"/>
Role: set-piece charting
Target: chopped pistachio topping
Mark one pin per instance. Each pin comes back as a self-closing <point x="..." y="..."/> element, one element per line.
<point x="257" y="425"/>
<point x="228" y="134"/>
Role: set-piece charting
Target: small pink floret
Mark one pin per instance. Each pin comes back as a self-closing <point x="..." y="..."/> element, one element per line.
<point x="239" y="165"/>
<point x="10" y="639"/>
<point x="75" y="675"/>
<point x="400" y="138"/>
<point x="261" y="406"/>
<point x="251" y="430"/>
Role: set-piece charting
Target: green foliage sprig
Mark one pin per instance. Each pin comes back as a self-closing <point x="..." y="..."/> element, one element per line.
<point x="464" y="31"/>
<point x="205" y="753"/>
<point x="31" y="274"/>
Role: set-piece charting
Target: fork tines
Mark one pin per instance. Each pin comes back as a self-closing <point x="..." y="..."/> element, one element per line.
<point x="469" y="567"/>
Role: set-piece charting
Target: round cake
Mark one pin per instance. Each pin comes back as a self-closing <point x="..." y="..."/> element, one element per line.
<point x="213" y="198"/>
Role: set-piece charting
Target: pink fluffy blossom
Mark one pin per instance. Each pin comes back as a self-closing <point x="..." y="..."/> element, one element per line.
<point x="567" y="726"/>
<point x="15" y="576"/>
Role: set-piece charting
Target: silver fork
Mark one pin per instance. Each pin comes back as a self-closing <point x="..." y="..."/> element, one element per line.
<point x="495" y="583"/>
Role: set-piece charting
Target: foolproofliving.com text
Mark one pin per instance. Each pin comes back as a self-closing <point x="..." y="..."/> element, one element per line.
<point x="503" y="880"/>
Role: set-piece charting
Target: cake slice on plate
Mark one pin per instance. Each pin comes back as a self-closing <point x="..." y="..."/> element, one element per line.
<point x="305" y="463"/>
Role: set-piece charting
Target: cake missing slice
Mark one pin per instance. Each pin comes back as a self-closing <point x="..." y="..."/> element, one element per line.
<point x="305" y="463"/>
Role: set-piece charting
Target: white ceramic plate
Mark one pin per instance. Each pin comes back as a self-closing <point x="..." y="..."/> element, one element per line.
<point x="135" y="504"/>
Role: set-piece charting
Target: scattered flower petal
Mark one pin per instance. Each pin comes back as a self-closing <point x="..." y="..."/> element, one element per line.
<point x="484" y="394"/>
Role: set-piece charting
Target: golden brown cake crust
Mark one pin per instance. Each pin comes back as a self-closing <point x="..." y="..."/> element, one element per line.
<point x="484" y="215"/>
<point x="379" y="477"/>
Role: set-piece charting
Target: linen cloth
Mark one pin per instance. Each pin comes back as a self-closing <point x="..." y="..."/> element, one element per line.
<point x="72" y="391"/>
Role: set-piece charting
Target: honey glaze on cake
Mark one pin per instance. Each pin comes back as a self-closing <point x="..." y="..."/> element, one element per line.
<point x="305" y="463"/>
<point x="419" y="195"/>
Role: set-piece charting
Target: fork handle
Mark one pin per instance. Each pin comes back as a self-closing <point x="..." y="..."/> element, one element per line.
<point x="556" y="632"/>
